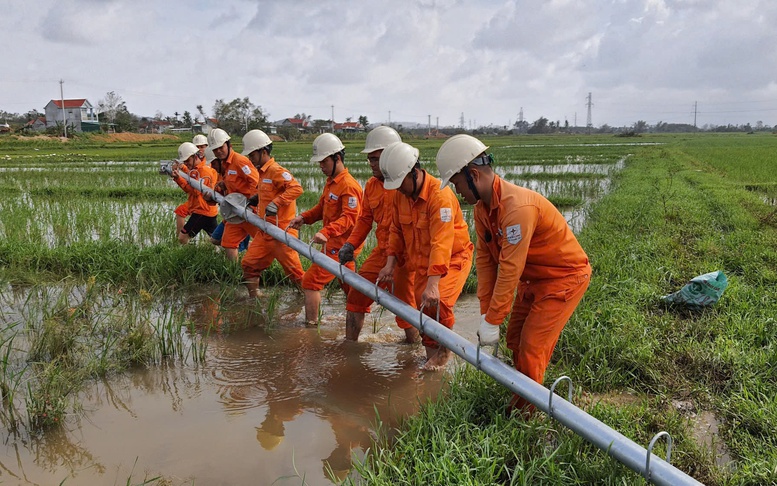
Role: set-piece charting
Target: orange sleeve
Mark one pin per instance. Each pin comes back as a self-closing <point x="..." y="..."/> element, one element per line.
<point x="350" y="205"/>
<point x="396" y="245"/>
<point x="516" y="224"/>
<point x="249" y="180"/>
<point x="183" y="184"/>
<point x="485" y="266"/>
<point x="316" y="213"/>
<point x="442" y="233"/>
<point x="290" y="188"/>
<point x="363" y="225"/>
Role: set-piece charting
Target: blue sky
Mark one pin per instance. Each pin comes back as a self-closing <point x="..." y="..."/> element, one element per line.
<point x="641" y="59"/>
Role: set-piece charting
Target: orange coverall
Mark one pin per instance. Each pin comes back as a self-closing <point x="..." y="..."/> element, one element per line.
<point x="339" y="208"/>
<point x="377" y="207"/>
<point x="239" y="175"/>
<point x="196" y="204"/>
<point x="525" y="243"/>
<point x="432" y="234"/>
<point x="277" y="185"/>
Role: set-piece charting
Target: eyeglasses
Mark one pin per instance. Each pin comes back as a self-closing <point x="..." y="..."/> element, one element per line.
<point x="373" y="159"/>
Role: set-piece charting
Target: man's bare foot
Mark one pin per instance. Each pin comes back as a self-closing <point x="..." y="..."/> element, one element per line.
<point x="436" y="358"/>
<point x="412" y="336"/>
<point x="311" y="324"/>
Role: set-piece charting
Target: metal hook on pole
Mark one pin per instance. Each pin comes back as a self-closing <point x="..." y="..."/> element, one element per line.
<point x="650" y="451"/>
<point x="552" y="389"/>
<point x="421" y="318"/>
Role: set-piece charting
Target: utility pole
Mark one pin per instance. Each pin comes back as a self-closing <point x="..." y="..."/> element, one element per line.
<point x="588" y="122"/>
<point x="695" y="106"/>
<point x="429" y="125"/>
<point x="62" y="99"/>
<point x="575" y="119"/>
<point x="333" y="118"/>
<point x="461" y="121"/>
<point x="520" y="121"/>
<point x="389" y="123"/>
<point x="438" y="124"/>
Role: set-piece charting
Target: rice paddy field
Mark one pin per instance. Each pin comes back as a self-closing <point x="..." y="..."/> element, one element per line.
<point x="94" y="288"/>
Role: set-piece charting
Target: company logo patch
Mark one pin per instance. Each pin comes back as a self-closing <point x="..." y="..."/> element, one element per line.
<point x="333" y="197"/>
<point x="246" y="170"/>
<point x="352" y="202"/>
<point x="267" y="181"/>
<point x="514" y="234"/>
<point x="231" y="172"/>
<point x="286" y="176"/>
<point x="446" y="215"/>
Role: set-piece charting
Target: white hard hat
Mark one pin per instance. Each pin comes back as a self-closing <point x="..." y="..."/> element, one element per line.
<point x="325" y="145"/>
<point x="396" y="161"/>
<point x="229" y="212"/>
<point x="186" y="150"/>
<point x="200" y="139"/>
<point x="255" y="140"/>
<point x="217" y="137"/>
<point x="209" y="155"/>
<point x="456" y="153"/>
<point x="380" y="138"/>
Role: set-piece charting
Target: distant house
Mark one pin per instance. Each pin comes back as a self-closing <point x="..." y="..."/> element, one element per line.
<point x="5" y="128"/>
<point x="301" y="124"/>
<point x="78" y="114"/>
<point x="205" y="126"/>
<point x="155" y="126"/>
<point x="36" y="125"/>
<point x="348" y="127"/>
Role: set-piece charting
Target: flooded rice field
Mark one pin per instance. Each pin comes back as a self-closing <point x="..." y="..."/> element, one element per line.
<point x="271" y="402"/>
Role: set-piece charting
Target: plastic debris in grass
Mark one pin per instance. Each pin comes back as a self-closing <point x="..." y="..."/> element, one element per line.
<point x="701" y="291"/>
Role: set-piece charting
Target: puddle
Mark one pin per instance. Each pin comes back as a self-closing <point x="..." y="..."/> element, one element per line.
<point x="270" y="404"/>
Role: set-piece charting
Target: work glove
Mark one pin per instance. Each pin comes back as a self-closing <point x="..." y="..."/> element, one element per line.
<point x="271" y="210"/>
<point x="488" y="333"/>
<point x="346" y="253"/>
<point x="253" y="200"/>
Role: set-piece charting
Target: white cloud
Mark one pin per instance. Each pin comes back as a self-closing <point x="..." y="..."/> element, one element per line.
<point x="641" y="59"/>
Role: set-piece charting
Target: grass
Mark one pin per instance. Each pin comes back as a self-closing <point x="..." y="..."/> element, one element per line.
<point x="677" y="211"/>
<point x="66" y="334"/>
<point x="693" y="204"/>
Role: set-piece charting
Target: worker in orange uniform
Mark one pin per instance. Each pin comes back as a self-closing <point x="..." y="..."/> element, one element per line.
<point x="428" y="229"/>
<point x="202" y="216"/>
<point x="338" y="207"/>
<point x="376" y="208"/>
<point x="523" y="243"/>
<point x="182" y="212"/>
<point x="277" y="201"/>
<point x="201" y="141"/>
<point x="238" y="175"/>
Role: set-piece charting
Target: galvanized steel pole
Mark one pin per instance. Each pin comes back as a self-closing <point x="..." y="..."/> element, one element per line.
<point x="620" y="447"/>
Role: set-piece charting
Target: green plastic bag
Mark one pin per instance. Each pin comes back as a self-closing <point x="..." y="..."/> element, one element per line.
<point x="701" y="291"/>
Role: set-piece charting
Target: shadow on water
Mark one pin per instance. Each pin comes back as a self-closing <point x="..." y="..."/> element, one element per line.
<point x="272" y="402"/>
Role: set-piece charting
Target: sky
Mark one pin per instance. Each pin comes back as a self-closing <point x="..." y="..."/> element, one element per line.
<point x="403" y="60"/>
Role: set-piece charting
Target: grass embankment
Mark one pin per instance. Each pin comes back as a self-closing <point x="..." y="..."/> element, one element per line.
<point x="677" y="212"/>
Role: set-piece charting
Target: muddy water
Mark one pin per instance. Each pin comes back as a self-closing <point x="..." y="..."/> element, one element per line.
<point x="272" y="404"/>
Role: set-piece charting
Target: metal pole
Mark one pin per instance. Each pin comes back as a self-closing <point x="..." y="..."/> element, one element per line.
<point x="620" y="447"/>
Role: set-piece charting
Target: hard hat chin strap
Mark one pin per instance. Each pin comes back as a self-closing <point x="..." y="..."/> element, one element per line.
<point x="416" y="189"/>
<point x="471" y="183"/>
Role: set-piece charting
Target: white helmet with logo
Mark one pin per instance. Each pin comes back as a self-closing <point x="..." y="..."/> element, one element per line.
<point x="255" y="140"/>
<point x="396" y="161"/>
<point x="456" y="153"/>
<point x="379" y="138"/>
<point x="325" y="145"/>
<point x="200" y="139"/>
<point x="217" y="137"/>
<point x="186" y="150"/>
